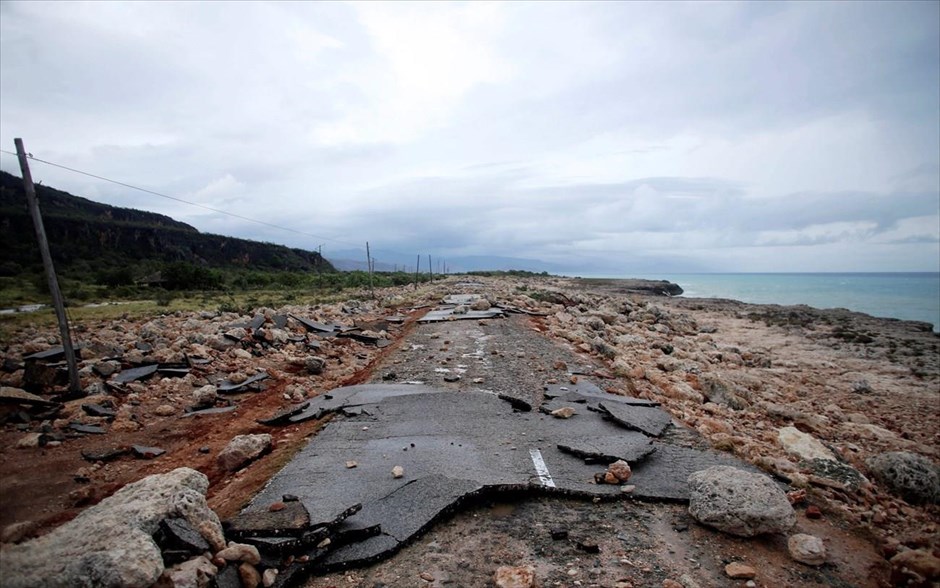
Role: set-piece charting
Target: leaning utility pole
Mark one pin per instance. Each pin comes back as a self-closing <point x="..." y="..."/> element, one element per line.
<point x="417" y="268"/>
<point x="75" y="385"/>
<point x="369" y="266"/>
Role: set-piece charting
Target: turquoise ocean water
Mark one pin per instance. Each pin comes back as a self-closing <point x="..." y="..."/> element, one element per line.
<point x="910" y="296"/>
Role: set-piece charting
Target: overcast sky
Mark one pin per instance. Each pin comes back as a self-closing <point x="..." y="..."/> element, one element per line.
<point x="597" y="137"/>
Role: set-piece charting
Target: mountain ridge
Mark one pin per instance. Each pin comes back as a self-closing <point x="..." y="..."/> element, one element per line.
<point x="89" y="235"/>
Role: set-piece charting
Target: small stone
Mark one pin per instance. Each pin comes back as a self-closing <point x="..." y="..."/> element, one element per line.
<point x="242" y="449"/>
<point x="324" y="543"/>
<point x="315" y="365"/>
<point x="807" y="549"/>
<point x="481" y="304"/>
<point x="398" y="471"/>
<point x="559" y="534"/>
<point x="813" y="512"/>
<point x="426" y="577"/>
<point x="29" y="440"/>
<point x="739" y="571"/>
<point x="515" y="577"/>
<point x="564" y="412"/>
<point x="164" y="410"/>
<point x="351" y="464"/>
<point x="205" y="395"/>
<point x="573" y="379"/>
<point x="290" y="498"/>
<point x="240" y="552"/>
<point x="269" y="577"/>
<point x="560" y="365"/>
<point x="249" y="575"/>
<point x="669" y="583"/>
<point x="620" y="470"/>
<point x="588" y="546"/>
<point x="277" y="506"/>
<point x="17" y="531"/>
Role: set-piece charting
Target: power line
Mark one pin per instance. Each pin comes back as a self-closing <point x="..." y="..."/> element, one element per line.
<point x="204" y="207"/>
<point x="196" y="204"/>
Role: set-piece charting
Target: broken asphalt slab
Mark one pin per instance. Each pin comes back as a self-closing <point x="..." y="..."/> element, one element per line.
<point x="227" y="387"/>
<point x="451" y="447"/>
<point x="448" y="314"/>
<point x="630" y="446"/>
<point x="587" y="392"/>
<point x="649" y="420"/>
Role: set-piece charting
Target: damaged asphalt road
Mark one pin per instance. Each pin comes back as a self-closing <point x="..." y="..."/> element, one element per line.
<point x="397" y="457"/>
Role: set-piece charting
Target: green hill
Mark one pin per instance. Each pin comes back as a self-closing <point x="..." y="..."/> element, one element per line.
<point x="88" y="238"/>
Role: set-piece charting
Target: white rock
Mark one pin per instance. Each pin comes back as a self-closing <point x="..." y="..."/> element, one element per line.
<point x="243" y="449"/>
<point x="739" y="502"/>
<point x="204" y="395"/>
<point x="269" y="577"/>
<point x="28" y="440"/>
<point x="240" y="552"/>
<point x="803" y="445"/>
<point x="110" y="544"/>
<point x="807" y="549"/>
<point x="515" y="577"/>
<point x="193" y="573"/>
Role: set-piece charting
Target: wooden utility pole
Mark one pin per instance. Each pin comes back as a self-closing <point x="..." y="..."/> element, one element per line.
<point x="369" y="265"/>
<point x="430" y="269"/>
<point x="417" y="267"/>
<point x="75" y="385"/>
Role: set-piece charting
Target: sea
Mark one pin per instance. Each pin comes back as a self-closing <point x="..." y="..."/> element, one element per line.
<point x="908" y="296"/>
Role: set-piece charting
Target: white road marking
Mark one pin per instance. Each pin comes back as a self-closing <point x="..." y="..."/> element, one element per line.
<point x="541" y="469"/>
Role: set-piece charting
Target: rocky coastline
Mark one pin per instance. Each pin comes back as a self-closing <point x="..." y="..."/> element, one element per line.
<point x="840" y="406"/>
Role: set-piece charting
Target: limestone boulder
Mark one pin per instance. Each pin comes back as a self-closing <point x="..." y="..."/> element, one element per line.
<point x="111" y="543"/>
<point x="913" y="477"/>
<point x="738" y="502"/>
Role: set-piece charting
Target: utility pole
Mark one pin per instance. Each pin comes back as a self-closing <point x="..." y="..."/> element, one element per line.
<point x="75" y="385"/>
<point x="417" y="268"/>
<point x="369" y="265"/>
<point x="430" y="269"/>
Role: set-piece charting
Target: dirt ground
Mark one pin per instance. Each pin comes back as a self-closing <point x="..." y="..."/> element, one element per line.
<point x="641" y="544"/>
<point x="810" y="362"/>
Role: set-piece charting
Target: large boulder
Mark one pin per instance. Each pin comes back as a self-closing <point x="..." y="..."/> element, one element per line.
<point x="738" y="502"/>
<point x="111" y="543"/>
<point x="913" y="477"/>
<point x="243" y="449"/>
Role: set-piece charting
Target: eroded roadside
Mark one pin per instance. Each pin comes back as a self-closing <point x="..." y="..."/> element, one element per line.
<point x="622" y="543"/>
<point x="734" y="375"/>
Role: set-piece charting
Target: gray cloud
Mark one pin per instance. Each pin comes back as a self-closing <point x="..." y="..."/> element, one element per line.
<point x="612" y="136"/>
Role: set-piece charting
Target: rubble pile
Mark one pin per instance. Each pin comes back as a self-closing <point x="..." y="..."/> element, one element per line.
<point x="820" y="415"/>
